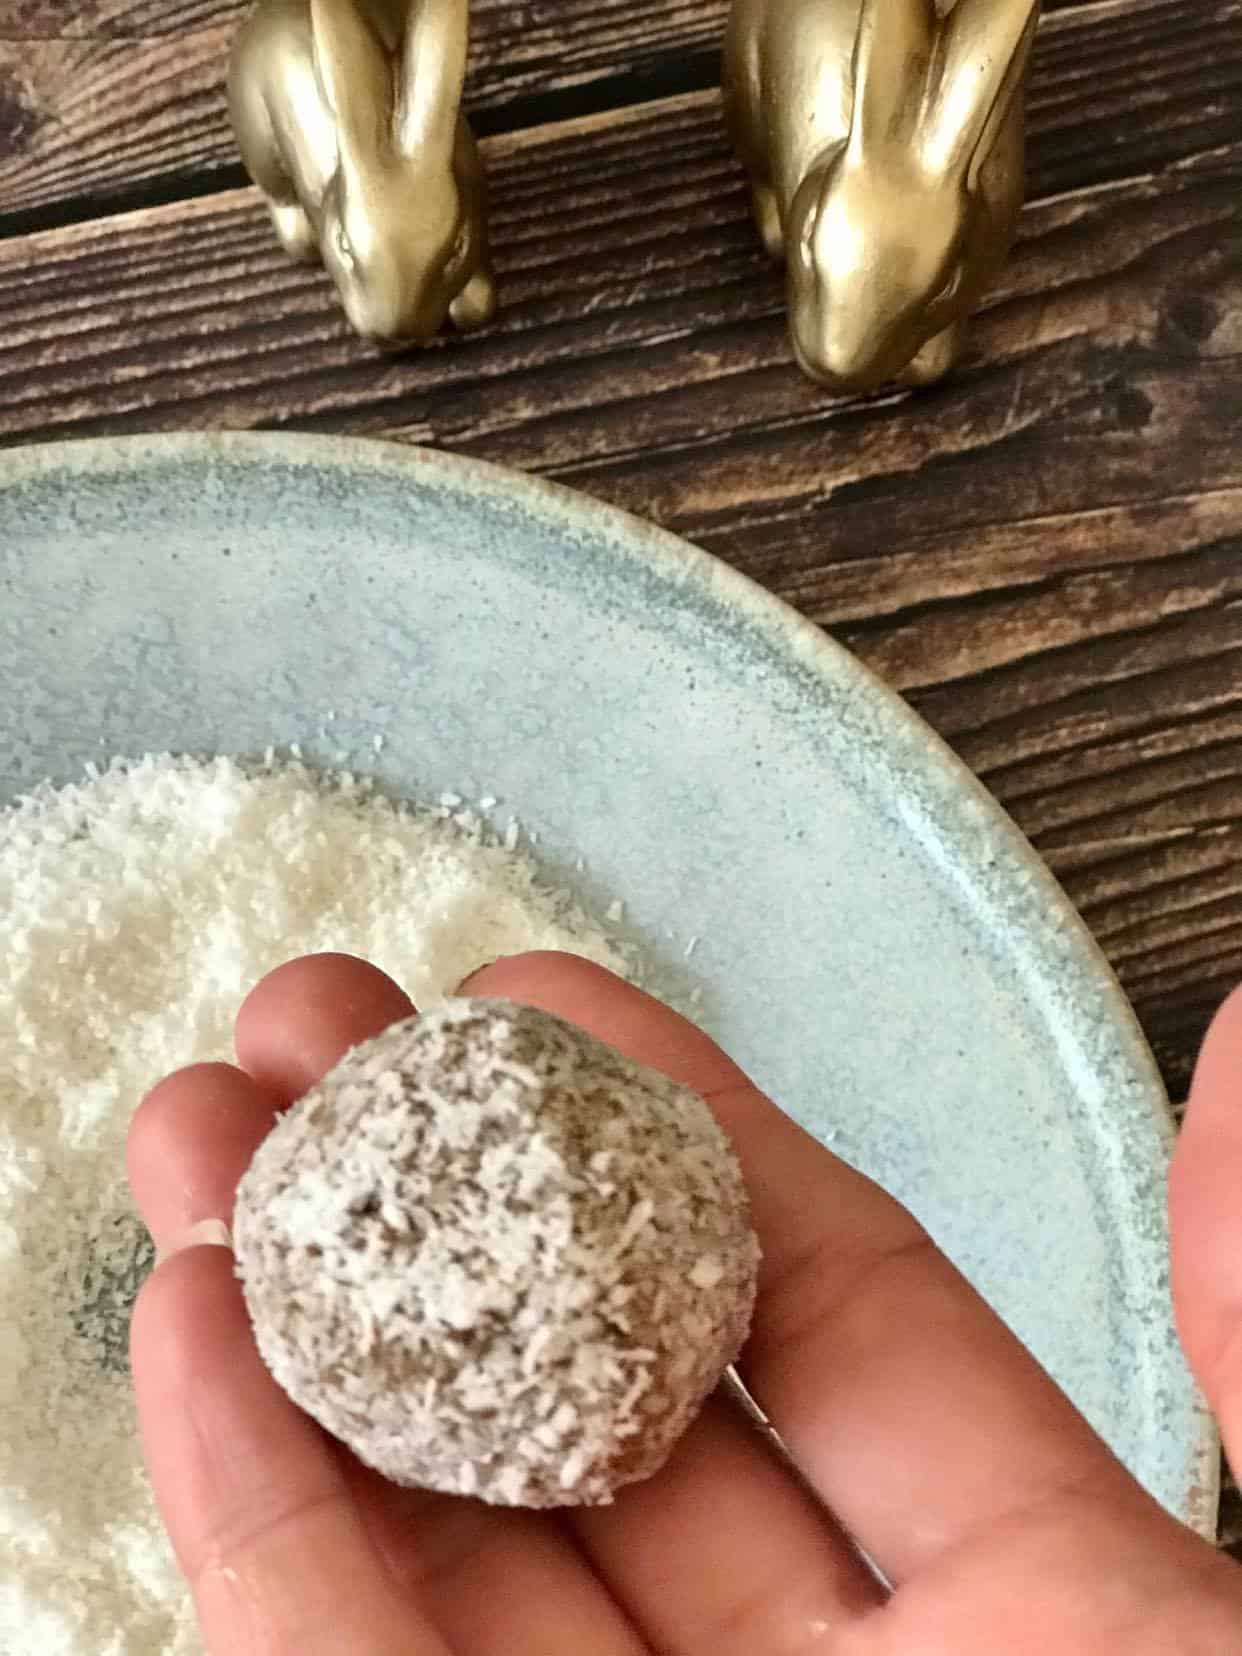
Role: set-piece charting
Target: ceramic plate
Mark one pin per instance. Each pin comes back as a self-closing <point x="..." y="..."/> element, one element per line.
<point x="878" y="944"/>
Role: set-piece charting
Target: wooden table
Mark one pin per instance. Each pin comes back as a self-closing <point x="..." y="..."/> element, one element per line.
<point x="1044" y="555"/>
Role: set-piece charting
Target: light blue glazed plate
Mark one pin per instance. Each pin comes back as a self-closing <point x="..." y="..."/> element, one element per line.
<point x="879" y="946"/>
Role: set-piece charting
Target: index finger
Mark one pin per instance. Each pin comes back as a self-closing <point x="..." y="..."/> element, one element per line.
<point x="263" y="1508"/>
<point x="254" y="1496"/>
<point x="896" y="1388"/>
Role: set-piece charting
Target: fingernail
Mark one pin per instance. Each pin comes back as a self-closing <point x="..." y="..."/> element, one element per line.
<point x="207" y="1233"/>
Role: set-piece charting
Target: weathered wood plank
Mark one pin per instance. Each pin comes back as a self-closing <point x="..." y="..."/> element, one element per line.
<point x="131" y="90"/>
<point x="36" y="19"/>
<point x="68" y="19"/>
<point x="102" y="97"/>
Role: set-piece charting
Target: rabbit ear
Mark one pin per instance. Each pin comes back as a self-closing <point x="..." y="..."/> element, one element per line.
<point x="356" y="74"/>
<point x="982" y="54"/>
<point x="892" y="55"/>
<point x="433" y="74"/>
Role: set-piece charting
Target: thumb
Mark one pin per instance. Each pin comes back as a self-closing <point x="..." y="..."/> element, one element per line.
<point x="1205" y="1206"/>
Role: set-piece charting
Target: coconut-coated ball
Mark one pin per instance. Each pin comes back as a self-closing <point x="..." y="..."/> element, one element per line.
<point x="497" y="1258"/>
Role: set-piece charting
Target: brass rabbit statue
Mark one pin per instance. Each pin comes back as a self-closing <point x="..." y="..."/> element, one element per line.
<point x="884" y="140"/>
<point x="348" y="115"/>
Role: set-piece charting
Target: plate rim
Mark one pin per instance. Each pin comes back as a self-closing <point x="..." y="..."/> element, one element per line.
<point x="907" y="733"/>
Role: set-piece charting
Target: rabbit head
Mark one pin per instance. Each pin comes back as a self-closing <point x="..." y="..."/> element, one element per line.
<point x="398" y="236"/>
<point x="885" y="235"/>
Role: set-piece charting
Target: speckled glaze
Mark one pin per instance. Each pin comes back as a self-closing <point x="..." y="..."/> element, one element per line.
<point x="879" y="945"/>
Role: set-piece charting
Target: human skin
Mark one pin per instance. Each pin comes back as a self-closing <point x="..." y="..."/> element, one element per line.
<point x="1003" y="1523"/>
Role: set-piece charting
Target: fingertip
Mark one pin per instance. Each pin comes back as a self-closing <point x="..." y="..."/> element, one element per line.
<point x="214" y="1425"/>
<point x="606" y="1006"/>
<point x="189" y="1142"/>
<point x="303" y="1017"/>
<point x="148" y="1126"/>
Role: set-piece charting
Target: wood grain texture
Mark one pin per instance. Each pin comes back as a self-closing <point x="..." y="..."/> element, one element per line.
<point x="105" y="97"/>
<point x="640" y="23"/>
<point x="130" y="91"/>
<point x="67" y="19"/>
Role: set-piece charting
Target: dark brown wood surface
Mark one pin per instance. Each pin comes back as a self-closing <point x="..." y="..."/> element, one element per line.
<point x="1044" y="555"/>
<point x="104" y="99"/>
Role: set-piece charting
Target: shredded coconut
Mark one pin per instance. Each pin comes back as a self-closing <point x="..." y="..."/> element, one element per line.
<point x="139" y="907"/>
<point x="453" y="1247"/>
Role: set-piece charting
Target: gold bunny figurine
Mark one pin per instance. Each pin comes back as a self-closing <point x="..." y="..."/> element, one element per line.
<point x="884" y="140"/>
<point x="348" y="114"/>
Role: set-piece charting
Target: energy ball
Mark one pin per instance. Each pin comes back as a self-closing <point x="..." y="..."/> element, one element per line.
<point x="496" y="1258"/>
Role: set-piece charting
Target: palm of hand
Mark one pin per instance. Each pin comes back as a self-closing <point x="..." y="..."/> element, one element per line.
<point x="913" y="1414"/>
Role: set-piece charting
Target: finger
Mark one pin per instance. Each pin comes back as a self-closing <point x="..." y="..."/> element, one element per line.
<point x="251" y="1492"/>
<point x="193" y="1135"/>
<point x="898" y="1391"/>
<point x="496" y="1582"/>
<point x="1205" y="1209"/>
<point x="770" y="1534"/>
<point x="722" y="1553"/>
<point x="189" y="1143"/>
<point x="303" y="1017"/>
<point x="493" y="1581"/>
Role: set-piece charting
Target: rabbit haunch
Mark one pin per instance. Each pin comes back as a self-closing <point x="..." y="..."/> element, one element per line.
<point x="884" y="140"/>
<point x="497" y="1258"/>
<point x="348" y="116"/>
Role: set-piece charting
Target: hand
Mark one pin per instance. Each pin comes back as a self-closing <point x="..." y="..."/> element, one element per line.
<point x="1006" y="1526"/>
